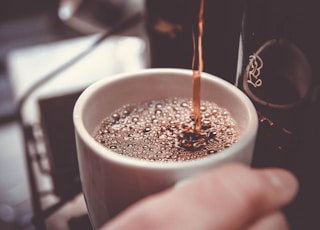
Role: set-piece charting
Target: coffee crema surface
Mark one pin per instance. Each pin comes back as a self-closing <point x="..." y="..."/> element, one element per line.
<point x="163" y="130"/>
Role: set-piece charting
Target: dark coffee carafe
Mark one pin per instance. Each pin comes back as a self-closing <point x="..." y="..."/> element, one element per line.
<point x="279" y="71"/>
<point x="276" y="74"/>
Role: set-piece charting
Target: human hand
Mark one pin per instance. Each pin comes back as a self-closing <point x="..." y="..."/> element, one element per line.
<point x="230" y="197"/>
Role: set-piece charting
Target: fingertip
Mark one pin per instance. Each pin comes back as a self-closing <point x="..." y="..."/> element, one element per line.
<point x="255" y="190"/>
<point x="283" y="181"/>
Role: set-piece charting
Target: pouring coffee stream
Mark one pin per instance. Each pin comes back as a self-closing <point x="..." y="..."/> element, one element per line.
<point x="197" y="70"/>
<point x="197" y="137"/>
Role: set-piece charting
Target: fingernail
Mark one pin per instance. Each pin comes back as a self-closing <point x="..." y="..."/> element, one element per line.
<point x="281" y="179"/>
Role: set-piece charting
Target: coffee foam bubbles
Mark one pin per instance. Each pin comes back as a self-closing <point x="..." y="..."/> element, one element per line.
<point x="163" y="130"/>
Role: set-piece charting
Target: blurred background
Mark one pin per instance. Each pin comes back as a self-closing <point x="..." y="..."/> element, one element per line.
<point x="40" y="189"/>
<point x="22" y="24"/>
<point x="50" y="50"/>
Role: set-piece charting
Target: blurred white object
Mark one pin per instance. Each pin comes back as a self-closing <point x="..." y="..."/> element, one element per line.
<point x="28" y="65"/>
<point x="68" y="8"/>
<point x="88" y="16"/>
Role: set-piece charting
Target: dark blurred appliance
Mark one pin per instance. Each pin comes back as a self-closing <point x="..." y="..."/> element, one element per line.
<point x="170" y="23"/>
<point x="59" y="139"/>
<point x="279" y="71"/>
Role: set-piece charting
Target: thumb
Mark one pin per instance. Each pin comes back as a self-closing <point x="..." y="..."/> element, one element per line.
<point x="229" y="197"/>
<point x="238" y="195"/>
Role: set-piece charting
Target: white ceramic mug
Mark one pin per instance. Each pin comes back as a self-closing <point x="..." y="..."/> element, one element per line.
<point x="111" y="182"/>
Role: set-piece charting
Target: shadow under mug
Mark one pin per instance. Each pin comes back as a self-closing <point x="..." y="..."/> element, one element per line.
<point x="111" y="182"/>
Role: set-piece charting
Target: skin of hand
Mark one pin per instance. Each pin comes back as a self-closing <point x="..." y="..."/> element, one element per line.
<point x="230" y="197"/>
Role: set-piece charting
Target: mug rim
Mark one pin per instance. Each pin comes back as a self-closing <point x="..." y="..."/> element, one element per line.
<point x="109" y="155"/>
